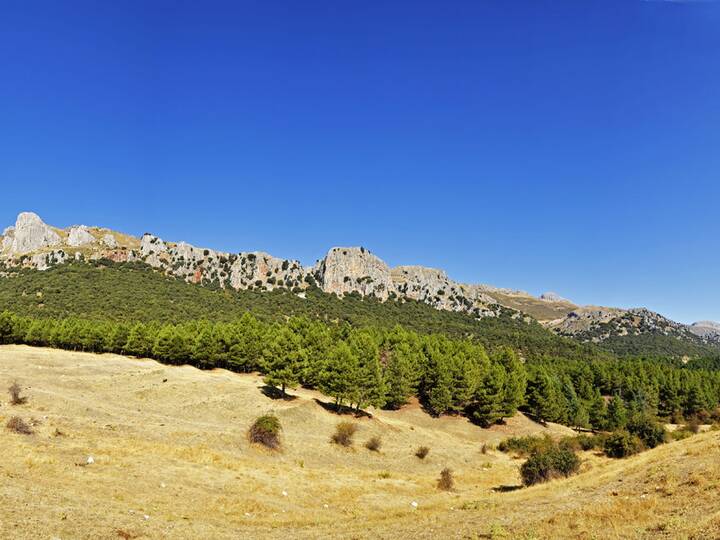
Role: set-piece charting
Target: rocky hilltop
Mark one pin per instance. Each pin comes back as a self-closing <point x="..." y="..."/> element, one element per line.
<point x="31" y="243"/>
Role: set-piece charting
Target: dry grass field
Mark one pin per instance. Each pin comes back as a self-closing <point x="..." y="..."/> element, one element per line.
<point x="170" y="459"/>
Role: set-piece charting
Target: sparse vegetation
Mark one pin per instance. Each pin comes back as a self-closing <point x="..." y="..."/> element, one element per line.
<point x="446" y="482"/>
<point x="374" y="444"/>
<point x="422" y="452"/>
<point x="344" y="433"/>
<point x="266" y="431"/>
<point x="18" y="425"/>
<point x="15" y="397"/>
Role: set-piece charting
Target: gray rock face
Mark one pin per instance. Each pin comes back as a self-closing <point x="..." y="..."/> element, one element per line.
<point x="706" y="329"/>
<point x="109" y="241"/>
<point x="350" y="269"/>
<point x="434" y="287"/>
<point x="151" y="247"/>
<point x="259" y="269"/>
<point x="29" y="234"/>
<point x="553" y="297"/>
<point x="80" y="236"/>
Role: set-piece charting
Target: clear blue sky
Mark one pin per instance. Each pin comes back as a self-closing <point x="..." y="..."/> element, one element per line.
<point x="543" y="145"/>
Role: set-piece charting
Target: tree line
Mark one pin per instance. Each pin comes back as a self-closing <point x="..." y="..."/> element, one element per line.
<point x="380" y="367"/>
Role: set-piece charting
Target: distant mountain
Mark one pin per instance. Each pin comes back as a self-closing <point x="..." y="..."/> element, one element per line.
<point x="706" y="329"/>
<point x="31" y="243"/>
<point x="344" y="270"/>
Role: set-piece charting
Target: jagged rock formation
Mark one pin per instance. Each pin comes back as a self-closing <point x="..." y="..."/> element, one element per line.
<point x="353" y="269"/>
<point x="709" y="330"/>
<point x="80" y="236"/>
<point x="597" y="324"/>
<point x="553" y="297"/>
<point x="344" y="270"/>
<point x="29" y="234"/>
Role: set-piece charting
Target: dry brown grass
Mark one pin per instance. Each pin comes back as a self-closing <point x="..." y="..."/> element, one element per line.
<point x="18" y="425"/>
<point x="374" y="444"/>
<point x="446" y="481"/>
<point x="344" y="433"/>
<point x="15" y="397"/>
<point x="178" y="453"/>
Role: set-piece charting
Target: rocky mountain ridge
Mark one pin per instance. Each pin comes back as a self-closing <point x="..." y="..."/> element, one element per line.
<point x="31" y="243"/>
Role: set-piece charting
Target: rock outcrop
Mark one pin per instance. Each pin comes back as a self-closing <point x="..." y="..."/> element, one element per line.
<point x="80" y="236"/>
<point x="29" y="234"/>
<point x="344" y="270"/>
<point x="353" y="269"/>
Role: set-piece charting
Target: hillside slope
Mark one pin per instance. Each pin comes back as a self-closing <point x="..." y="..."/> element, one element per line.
<point x="134" y="292"/>
<point x="349" y="272"/>
<point x="171" y="461"/>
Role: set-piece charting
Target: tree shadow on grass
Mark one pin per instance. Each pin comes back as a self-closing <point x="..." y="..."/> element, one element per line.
<point x="506" y="489"/>
<point x="343" y="410"/>
<point x="275" y="393"/>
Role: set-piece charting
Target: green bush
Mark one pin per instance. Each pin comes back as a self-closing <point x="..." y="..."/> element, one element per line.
<point x="266" y="431"/>
<point x="548" y="464"/>
<point x="651" y="432"/>
<point x="525" y="446"/>
<point x="622" y="444"/>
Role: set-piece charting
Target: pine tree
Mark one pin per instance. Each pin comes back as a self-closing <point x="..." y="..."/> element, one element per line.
<point x="284" y="360"/>
<point x="117" y="339"/>
<point x="597" y="410"/>
<point x="369" y="387"/>
<point x="544" y="399"/>
<point x="339" y="374"/>
<point x="515" y="381"/>
<point x="139" y="342"/>
<point x="400" y="375"/>
<point x="487" y="407"/>
<point x="207" y="350"/>
<point x="617" y="415"/>
<point x="169" y="345"/>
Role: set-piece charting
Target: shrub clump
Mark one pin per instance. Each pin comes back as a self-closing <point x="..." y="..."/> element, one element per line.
<point x="651" y="432"/>
<point x="266" y="431"/>
<point x="526" y="446"/>
<point x="622" y="443"/>
<point x="344" y="433"/>
<point x="422" y="452"/>
<point x="373" y="444"/>
<point x="446" y="481"/>
<point x="15" y="397"/>
<point x="549" y="463"/>
<point x="18" y="425"/>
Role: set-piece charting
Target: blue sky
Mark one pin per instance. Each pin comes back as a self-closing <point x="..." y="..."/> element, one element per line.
<point x="542" y="145"/>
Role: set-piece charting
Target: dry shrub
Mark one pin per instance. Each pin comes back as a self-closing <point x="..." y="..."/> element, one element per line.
<point x="422" y="452"/>
<point x="446" y="480"/>
<point x="484" y="449"/>
<point x="373" y="444"/>
<point x="15" y="397"/>
<point x="266" y="431"/>
<point x="344" y="433"/>
<point x="18" y="425"/>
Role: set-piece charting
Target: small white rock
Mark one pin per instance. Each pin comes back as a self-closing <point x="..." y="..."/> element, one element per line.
<point x="325" y="506"/>
<point x="90" y="460"/>
<point x="414" y="504"/>
<point x="146" y="517"/>
<point x="284" y="493"/>
<point x="162" y="484"/>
